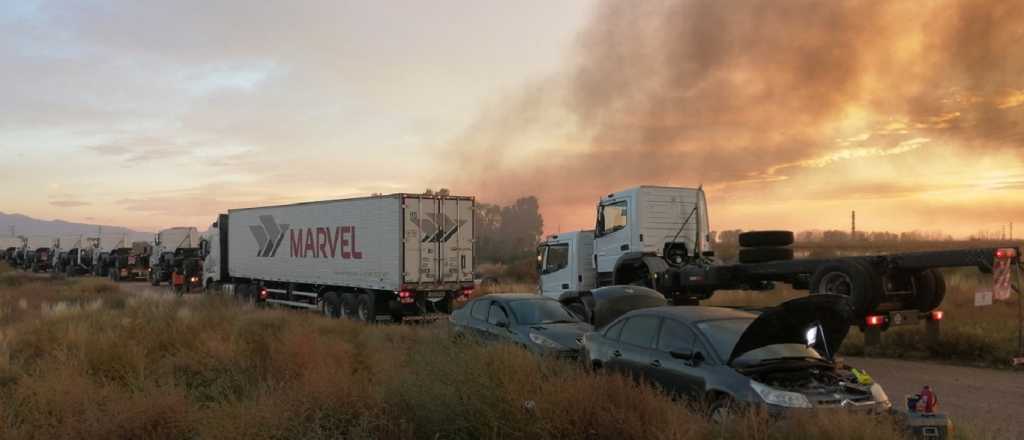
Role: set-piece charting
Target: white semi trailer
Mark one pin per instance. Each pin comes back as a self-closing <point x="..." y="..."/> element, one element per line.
<point x="397" y="255"/>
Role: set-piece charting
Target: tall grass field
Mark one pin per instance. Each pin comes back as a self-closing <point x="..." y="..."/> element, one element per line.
<point x="88" y="359"/>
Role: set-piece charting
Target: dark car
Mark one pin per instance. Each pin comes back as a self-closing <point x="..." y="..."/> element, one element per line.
<point x="780" y="358"/>
<point x="540" y="324"/>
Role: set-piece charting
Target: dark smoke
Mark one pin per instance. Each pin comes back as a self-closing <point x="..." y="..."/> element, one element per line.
<point x="720" y="92"/>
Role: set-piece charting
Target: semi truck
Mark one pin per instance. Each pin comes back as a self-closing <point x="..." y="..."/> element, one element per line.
<point x="41" y="260"/>
<point x="658" y="237"/>
<point x="130" y="263"/>
<point x="398" y="256"/>
<point x="165" y="245"/>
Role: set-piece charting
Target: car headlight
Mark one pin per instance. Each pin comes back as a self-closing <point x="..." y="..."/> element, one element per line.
<point x="879" y="395"/>
<point x="781" y="398"/>
<point x="544" y="341"/>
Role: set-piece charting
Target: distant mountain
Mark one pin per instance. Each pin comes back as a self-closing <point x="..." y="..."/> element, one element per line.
<point x="42" y="232"/>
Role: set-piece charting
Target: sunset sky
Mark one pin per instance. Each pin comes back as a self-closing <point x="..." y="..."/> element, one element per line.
<point x="791" y="114"/>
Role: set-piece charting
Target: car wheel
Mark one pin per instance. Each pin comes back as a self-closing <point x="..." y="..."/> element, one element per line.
<point x="722" y="411"/>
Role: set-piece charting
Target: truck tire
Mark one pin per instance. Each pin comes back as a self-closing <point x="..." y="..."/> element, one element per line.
<point x="850" y="279"/>
<point x="365" y="308"/>
<point x="930" y="290"/>
<point x="756" y="239"/>
<point x="349" y="302"/>
<point x="765" y="254"/>
<point x="153" y="278"/>
<point x="332" y="305"/>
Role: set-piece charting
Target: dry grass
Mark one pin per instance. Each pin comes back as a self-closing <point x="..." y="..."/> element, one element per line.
<point x="82" y="359"/>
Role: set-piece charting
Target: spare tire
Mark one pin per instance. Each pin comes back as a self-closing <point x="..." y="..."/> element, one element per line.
<point x="755" y="239"/>
<point x="765" y="254"/>
<point x="850" y="279"/>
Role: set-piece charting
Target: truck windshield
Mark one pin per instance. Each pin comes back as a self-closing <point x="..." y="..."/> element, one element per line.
<point x="557" y="258"/>
<point x="540" y="311"/>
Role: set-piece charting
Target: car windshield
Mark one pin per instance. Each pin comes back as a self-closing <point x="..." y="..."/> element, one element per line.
<point x="725" y="333"/>
<point x="540" y="311"/>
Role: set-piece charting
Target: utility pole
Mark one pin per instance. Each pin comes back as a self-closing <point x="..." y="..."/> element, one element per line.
<point x="853" y="225"/>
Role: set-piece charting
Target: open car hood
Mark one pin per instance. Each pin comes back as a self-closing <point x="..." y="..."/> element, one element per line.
<point x="601" y="306"/>
<point x="789" y="322"/>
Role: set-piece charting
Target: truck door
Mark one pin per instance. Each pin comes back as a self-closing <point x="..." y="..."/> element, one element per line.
<point x="455" y="240"/>
<point x="422" y="232"/>
<point x="556" y="272"/>
<point x="613" y="234"/>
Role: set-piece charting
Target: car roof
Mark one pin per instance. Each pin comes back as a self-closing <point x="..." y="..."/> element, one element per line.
<point x="695" y="313"/>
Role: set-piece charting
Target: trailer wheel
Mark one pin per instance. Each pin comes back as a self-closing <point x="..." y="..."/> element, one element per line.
<point x="332" y="305"/>
<point x="929" y="290"/>
<point x="765" y="254"/>
<point x="850" y="279"/>
<point x="349" y="302"/>
<point x="756" y="239"/>
<point x="365" y="309"/>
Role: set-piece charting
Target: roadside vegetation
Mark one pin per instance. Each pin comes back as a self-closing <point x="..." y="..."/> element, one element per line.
<point x="84" y="359"/>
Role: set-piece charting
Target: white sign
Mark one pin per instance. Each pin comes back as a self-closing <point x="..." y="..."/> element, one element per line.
<point x="982" y="298"/>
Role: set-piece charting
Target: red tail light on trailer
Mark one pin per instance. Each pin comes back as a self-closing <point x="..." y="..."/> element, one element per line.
<point x="406" y="297"/>
<point x="875" y="320"/>
<point x="466" y="294"/>
<point x="1006" y="253"/>
<point x="937" y="315"/>
<point x="264" y="294"/>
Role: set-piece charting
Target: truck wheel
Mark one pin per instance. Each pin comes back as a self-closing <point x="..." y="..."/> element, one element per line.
<point x="850" y="279"/>
<point x="756" y="239"/>
<point x="349" y="302"/>
<point x="153" y="279"/>
<point x="765" y="254"/>
<point x="332" y="305"/>
<point x="365" y="309"/>
<point x="929" y="290"/>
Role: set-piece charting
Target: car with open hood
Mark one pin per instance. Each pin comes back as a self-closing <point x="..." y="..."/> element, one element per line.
<point x="781" y="358"/>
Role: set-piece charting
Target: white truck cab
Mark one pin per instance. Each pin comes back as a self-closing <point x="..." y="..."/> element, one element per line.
<point x="668" y="222"/>
<point x="565" y="262"/>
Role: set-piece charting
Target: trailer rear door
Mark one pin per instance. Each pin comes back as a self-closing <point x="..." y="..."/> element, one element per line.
<point x="438" y="239"/>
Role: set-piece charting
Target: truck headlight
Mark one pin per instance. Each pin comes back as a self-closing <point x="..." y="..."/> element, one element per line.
<point x="778" y="397"/>
<point x="544" y="341"/>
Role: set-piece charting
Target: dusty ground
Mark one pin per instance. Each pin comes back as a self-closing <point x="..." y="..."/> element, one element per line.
<point x="989" y="401"/>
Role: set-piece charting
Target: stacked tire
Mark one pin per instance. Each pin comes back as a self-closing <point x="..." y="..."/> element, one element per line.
<point x="765" y="246"/>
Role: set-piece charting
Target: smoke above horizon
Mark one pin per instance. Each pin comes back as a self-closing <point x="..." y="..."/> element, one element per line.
<point x="894" y="104"/>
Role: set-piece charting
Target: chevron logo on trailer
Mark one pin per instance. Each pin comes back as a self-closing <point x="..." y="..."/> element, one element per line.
<point x="436" y="227"/>
<point x="269" y="235"/>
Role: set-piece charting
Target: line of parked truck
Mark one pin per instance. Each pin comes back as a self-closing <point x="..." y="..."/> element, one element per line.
<point x="406" y="255"/>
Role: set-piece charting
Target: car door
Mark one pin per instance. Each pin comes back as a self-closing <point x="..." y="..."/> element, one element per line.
<point x="498" y="314"/>
<point x="634" y="351"/>
<point x="476" y="322"/>
<point x="614" y="233"/>
<point x="680" y="376"/>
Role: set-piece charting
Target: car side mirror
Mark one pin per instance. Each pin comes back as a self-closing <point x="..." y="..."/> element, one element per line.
<point x="501" y="324"/>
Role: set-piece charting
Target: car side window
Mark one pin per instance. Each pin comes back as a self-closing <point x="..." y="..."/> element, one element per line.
<point x="496" y="314"/>
<point x="479" y="311"/>
<point x="614" y="331"/>
<point x="675" y="336"/>
<point x="641" y="331"/>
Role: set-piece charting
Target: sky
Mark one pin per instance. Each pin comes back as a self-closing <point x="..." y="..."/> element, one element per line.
<point x="790" y="114"/>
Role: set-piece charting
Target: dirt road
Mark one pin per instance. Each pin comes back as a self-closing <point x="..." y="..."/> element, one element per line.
<point x="988" y="401"/>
